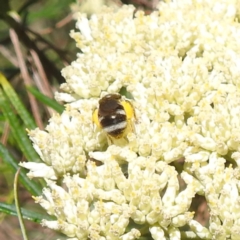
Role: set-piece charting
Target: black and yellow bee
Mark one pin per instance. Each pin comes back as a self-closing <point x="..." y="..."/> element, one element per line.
<point x="114" y="115"/>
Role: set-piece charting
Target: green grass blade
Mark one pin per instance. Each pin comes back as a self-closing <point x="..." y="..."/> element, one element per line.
<point x="19" y="212"/>
<point x="33" y="187"/>
<point x="17" y="130"/>
<point x="27" y="214"/>
<point x="46" y="100"/>
<point x="17" y="103"/>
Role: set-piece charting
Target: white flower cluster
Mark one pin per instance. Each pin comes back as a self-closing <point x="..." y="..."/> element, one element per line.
<point x="181" y="66"/>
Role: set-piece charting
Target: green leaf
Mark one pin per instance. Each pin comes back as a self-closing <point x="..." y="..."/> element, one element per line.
<point x="27" y="214"/>
<point x="33" y="187"/>
<point x="50" y="9"/>
<point x="46" y="100"/>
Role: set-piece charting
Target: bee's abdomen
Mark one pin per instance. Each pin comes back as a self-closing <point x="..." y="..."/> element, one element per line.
<point x="115" y="123"/>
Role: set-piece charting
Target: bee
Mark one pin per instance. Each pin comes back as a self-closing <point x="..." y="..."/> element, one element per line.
<point x="114" y="115"/>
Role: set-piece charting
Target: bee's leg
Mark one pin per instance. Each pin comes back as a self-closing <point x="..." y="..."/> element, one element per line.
<point x="110" y="140"/>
